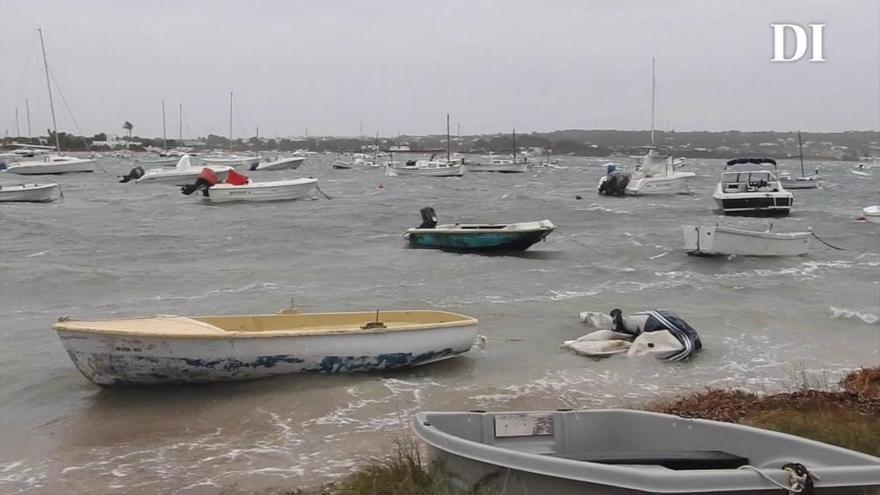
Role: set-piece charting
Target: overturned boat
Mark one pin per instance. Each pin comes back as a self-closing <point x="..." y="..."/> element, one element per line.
<point x="29" y="193"/>
<point x="238" y="187"/>
<point x="476" y="237"/>
<point x="622" y="452"/>
<point x="714" y="240"/>
<point x="657" y="332"/>
<point x="179" y="349"/>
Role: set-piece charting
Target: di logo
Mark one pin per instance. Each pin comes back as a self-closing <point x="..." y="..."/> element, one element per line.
<point x="785" y="33"/>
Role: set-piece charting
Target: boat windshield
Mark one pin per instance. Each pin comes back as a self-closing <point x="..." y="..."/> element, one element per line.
<point x="753" y="181"/>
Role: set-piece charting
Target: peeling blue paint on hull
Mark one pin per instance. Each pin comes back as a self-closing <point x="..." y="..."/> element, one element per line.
<point x="113" y="369"/>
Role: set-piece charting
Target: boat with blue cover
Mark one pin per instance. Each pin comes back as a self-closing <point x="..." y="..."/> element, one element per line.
<point x="476" y="236"/>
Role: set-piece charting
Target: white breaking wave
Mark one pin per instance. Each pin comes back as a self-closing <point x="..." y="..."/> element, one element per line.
<point x="849" y="314"/>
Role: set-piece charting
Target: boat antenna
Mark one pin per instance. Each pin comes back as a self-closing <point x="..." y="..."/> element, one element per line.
<point x="801" y="151"/>
<point x="653" y="85"/>
<point x="27" y="108"/>
<point x="164" y="136"/>
<point x="49" y="87"/>
<point x="230" y="121"/>
<point x="447" y="138"/>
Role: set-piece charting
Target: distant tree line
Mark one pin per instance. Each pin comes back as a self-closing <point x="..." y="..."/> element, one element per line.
<point x="845" y="145"/>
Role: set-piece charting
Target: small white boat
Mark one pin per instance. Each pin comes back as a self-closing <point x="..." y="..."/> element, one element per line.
<point x="284" y="163"/>
<point x="425" y="168"/>
<point x="231" y="160"/>
<point x="502" y="165"/>
<point x="278" y="190"/>
<point x="177" y="349"/>
<point x="623" y="452"/>
<point x="713" y="240"/>
<point x="29" y="193"/>
<point x="872" y="213"/>
<point x="52" y="164"/>
<point x="808" y="182"/>
<point x="182" y="174"/>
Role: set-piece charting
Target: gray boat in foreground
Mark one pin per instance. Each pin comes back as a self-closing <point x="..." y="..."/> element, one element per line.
<point x="627" y="452"/>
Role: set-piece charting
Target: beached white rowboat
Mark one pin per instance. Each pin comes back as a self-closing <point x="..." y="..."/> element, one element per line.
<point x="177" y="349"/>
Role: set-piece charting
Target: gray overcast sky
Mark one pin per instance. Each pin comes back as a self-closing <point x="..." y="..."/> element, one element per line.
<point x="400" y="66"/>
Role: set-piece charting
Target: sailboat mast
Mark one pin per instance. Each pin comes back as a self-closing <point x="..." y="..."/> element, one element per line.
<point x="27" y="109"/>
<point x="180" y="124"/>
<point x="447" y="138"/>
<point x="376" y="150"/>
<point x="514" y="146"/>
<point x="230" y="121"/>
<point x="164" y="136"/>
<point x="653" y="86"/>
<point x="801" y="151"/>
<point x="17" y="128"/>
<point x="49" y="87"/>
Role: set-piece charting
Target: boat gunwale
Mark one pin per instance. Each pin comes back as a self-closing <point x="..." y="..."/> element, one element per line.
<point x="214" y="332"/>
<point x="485" y="228"/>
<point x="776" y="236"/>
<point x="636" y="477"/>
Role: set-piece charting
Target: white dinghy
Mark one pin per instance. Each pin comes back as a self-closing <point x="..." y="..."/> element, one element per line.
<point x="182" y="174"/>
<point x="872" y="213"/>
<point x="29" y="193"/>
<point x="623" y="452"/>
<point x="239" y="187"/>
<point x="283" y="163"/>
<point x="720" y="240"/>
<point x="178" y="349"/>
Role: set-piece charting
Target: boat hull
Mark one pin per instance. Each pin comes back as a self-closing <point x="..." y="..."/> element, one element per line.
<point x="485" y="239"/>
<point x="804" y="183"/>
<point x="755" y="205"/>
<point x="158" y="162"/>
<point x="618" y="452"/>
<point x="74" y="165"/>
<point x="511" y="168"/>
<point x="116" y="360"/>
<point x="178" y="177"/>
<point x="678" y="183"/>
<point x="232" y="162"/>
<point x="871" y="213"/>
<point x="450" y="171"/>
<point x="264" y="191"/>
<point x="716" y="240"/>
<point x="30" y="193"/>
<point x="292" y="163"/>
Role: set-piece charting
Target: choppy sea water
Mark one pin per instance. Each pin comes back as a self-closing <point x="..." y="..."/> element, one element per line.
<point x="113" y="249"/>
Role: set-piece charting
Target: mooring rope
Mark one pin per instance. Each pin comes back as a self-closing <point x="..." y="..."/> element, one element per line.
<point x="826" y="243"/>
<point x="322" y="192"/>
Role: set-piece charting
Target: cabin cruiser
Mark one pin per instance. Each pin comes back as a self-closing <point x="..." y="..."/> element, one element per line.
<point x="752" y="191"/>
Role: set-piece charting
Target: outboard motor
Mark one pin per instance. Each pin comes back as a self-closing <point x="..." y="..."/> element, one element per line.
<point x="429" y="218"/>
<point x="135" y="174"/>
<point x="205" y="180"/>
<point x="615" y="182"/>
<point x="410" y="163"/>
